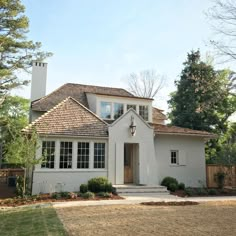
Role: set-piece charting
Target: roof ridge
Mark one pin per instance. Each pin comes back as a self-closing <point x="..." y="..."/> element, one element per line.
<point x="157" y="108"/>
<point x="92" y="113"/>
<point x="101" y="87"/>
<point x="40" y="99"/>
<point x="56" y="107"/>
<point x="45" y="114"/>
<point x="186" y="129"/>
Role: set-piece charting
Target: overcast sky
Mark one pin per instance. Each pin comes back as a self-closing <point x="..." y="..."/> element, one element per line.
<point x="100" y="42"/>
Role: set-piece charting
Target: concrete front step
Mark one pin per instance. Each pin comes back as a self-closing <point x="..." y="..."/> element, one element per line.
<point x="126" y="189"/>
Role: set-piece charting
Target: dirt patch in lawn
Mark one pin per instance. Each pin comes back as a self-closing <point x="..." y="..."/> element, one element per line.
<point x="203" y="219"/>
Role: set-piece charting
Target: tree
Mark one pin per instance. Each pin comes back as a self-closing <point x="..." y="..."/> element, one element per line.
<point x="223" y="17"/>
<point x="21" y="152"/>
<point x="227" y="152"/>
<point x="14" y="115"/>
<point x="203" y="99"/>
<point x="146" y="83"/>
<point x="16" y="52"/>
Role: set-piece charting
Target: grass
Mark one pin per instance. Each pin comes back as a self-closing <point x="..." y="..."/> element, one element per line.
<point x="24" y="222"/>
<point x="216" y="219"/>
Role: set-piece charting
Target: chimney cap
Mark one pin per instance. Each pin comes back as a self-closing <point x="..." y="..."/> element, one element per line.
<point x="39" y="63"/>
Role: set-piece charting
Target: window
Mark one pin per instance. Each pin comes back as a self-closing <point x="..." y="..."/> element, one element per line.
<point x="131" y="106"/>
<point x="174" y="157"/>
<point x="106" y="110"/>
<point x="99" y="155"/>
<point x="143" y="112"/>
<point x="48" y="151"/>
<point x="83" y="155"/>
<point x="118" y="110"/>
<point x="66" y="155"/>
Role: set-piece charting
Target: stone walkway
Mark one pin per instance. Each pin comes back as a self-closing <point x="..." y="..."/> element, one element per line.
<point x="138" y="199"/>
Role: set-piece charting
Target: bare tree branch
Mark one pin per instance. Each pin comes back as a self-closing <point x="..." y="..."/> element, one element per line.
<point x="146" y="83"/>
<point x="223" y="18"/>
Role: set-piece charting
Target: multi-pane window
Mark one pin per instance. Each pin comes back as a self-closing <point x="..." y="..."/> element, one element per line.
<point x="99" y="155"/>
<point x="174" y="157"/>
<point x="143" y="112"/>
<point x="48" y="152"/>
<point x="106" y="110"/>
<point x="66" y="155"/>
<point x="118" y="110"/>
<point x="131" y="106"/>
<point x="83" y="155"/>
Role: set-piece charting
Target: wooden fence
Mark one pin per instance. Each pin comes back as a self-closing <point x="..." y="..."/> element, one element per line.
<point x="212" y="170"/>
<point x="5" y="173"/>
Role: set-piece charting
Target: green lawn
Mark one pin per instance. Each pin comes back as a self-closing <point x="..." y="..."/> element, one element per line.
<point x="23" y="222"/>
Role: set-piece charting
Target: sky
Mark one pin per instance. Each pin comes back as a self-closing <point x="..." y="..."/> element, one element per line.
<point x="100" y="42"/>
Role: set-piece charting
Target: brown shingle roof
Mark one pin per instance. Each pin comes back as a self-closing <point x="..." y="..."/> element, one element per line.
<point x="165" y="129"/>
<point x="76" y="91"/>
<point x="69" y="118"/>
<point x="157" y="116"/>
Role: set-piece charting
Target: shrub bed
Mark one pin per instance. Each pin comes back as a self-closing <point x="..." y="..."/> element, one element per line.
<point x="100" y="184"/>
<point x="172" y="184"/>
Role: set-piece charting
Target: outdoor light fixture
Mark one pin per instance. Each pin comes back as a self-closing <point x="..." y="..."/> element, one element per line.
<point x="132" y="126"/>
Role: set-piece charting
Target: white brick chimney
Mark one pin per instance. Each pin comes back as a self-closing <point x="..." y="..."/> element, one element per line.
<point x="38" y="81"/>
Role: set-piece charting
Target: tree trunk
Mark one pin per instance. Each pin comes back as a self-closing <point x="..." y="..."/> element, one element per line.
<point x="24" y="182"/>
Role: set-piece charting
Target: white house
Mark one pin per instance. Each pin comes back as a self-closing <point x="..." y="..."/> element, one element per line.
<point x="92" y="131"/>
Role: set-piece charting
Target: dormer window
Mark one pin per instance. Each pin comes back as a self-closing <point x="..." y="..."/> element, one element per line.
<point x="105" y="110"/>
<point x="131" y="106"/>
<point x="118" y="110"/>
<point x="143" y="112"/>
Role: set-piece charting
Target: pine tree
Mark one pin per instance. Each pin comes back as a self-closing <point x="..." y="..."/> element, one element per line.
<point x="202" y="100"/>
<point x="16" y="51"/>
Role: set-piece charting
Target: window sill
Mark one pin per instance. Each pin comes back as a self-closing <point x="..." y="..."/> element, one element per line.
<point x="176" y="165"/>
<point x="68" y="170"/>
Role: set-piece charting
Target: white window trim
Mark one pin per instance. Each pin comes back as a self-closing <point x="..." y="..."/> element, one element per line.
<point x="112" y="110"/>
<point x="105" y="156"/>
<point x="74" y="155"/>
<point x="125" y="103"/>
<point x="41" y="150"/>
<point x="177" y="157"/>
<point x="120" y="103"/>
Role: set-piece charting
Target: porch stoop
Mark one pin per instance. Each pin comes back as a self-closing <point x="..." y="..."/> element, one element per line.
<point x="141" y="189"/>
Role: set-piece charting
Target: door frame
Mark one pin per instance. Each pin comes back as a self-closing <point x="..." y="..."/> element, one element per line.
<point x="134" y="152"/>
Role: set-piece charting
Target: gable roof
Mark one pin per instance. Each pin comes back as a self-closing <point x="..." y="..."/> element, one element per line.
<point x="125" y="114"/>
<point x="157" y="115"/>
<point x="69" y="118"/>
<point x="76" y="91"/>
<point x="165" y="129"/>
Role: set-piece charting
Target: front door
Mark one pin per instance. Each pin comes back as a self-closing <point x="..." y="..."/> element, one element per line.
<point x="128" y="163"/>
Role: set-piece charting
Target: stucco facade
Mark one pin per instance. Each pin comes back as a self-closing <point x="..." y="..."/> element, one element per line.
<point x="191" y="168"/>
<point x="145" y="163"/>
<point x="151" y="158"/>
<point x="52" y="180"/>
<point x="91" y="131"/>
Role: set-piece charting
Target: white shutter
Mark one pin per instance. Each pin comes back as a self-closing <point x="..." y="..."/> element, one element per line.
<point x="182" y="158"/>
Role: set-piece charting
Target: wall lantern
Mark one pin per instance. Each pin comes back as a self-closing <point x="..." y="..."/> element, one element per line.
<point x="132" y="126"/>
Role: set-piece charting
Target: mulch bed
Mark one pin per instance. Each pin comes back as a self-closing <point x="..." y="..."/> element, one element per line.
<point x="219" y="192"/>
<point x="46" y="198"/>
<point x="185" y="203"/>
